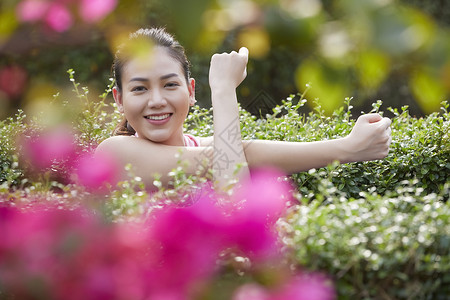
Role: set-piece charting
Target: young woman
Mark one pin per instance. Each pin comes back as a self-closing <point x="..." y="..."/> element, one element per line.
<point x="154" y="91"/>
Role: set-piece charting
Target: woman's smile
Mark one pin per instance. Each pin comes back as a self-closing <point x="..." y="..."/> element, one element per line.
<point x="158" y="119"/>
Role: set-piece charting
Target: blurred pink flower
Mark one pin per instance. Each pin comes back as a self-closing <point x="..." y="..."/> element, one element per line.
<point x="58" y="17"/>
<point x="95" y="10"/>
<point x="12" y="80"/>
<point x="93" y="172"/>
<point x="54" y="146"/>
<point x="264" y="198"/>
<point x="76" y="254"/>
<point x="57" y="14"/>
<point x="306" y="287"/>
<point x="265" y="195"/>
<point x="32" y="10"/>
<point x="251" y="291"/>
<point x="189" y="243"/>
<point x="70" y="254"/>
<point x="254" y="238"/>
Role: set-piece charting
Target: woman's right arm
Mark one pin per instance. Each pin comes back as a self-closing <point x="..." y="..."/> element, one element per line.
<point x="148" y="159"/>
<point x="227" y="71"/>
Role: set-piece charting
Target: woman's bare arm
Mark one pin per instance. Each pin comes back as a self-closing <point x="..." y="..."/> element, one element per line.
<point x="369" y="140"/>
<point x="226" y="72"/>
<point x="148" y="159"/>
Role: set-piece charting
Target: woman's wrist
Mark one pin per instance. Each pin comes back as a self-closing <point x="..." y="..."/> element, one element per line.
<point x="345" y="150"/>
<point x="224" y="100"/>
<point x="223" y="90"/>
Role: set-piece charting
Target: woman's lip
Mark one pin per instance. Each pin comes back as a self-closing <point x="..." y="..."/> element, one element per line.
<point x="158" y="121"/>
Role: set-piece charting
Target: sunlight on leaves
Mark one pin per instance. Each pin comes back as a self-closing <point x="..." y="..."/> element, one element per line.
<point x="428" y="90"/>
<point x="302" y="8"/>
<point x="328" y="85"/>
<point x="8" y="23"/>
<point x="372" y="67"/>
<point x="256" y="40"/>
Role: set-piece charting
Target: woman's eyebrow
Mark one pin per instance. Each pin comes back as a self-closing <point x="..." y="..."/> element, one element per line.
<point x="138" y="79"/>
<point x="161" y="78"/>
<point x="168" y="76"/>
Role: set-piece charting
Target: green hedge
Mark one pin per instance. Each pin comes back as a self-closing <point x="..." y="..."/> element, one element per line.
<point x="10" y="128"/>
<point x="394" y="246"/>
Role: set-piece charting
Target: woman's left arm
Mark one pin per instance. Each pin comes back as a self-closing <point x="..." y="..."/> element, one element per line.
<point x="369" y="140"/>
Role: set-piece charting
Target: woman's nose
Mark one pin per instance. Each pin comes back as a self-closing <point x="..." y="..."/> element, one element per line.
<point x="157" y="99"/>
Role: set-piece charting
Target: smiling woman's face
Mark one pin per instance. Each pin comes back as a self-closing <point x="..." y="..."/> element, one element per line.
<point x="155" y="97"/>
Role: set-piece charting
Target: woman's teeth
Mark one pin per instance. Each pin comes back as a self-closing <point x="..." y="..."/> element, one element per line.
<point x="161" y="117"/>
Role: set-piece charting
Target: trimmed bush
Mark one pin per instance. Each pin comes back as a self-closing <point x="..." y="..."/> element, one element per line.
<point x="394" y="246"/>
<point x="9" y="168"/>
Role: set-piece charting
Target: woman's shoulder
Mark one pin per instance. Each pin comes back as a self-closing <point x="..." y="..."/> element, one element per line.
<point x="115" y="141"/>
<point x="120" y="144"/>
<point x="206" y="141"/>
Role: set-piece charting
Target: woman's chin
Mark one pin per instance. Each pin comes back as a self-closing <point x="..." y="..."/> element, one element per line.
<point x="155" y="138"/>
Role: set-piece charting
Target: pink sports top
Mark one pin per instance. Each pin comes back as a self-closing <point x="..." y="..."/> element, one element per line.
<point x="191" y="141"/>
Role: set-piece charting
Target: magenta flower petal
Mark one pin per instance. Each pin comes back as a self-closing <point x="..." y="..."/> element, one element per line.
<point x="265" y="195"/>
<point x="179" y="232"/>
<point x="255" y="239"/>
<point x="251" y="291"/>
<point x="32" y="10"/>
<point x="307" y="287"/>
<point x="54" y="146"/>
<point x="94" y="172"/>
<point x="58" y="18"/>
<point x="92" y="11"/>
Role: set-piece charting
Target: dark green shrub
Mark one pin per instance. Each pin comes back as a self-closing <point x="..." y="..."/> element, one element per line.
<point x="394" y="246"/>
<point x="9" y="161"/>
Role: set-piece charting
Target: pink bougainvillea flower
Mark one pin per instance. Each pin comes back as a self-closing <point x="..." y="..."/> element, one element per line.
<point x="93" y="172"/>
<point x="32" y="10"/>
<point x="75" y="254"/>
<point x="263" y="199"/>
<point x="251" y="291"/>
<point x="71" y="254"/>
<point x="13" y="80"/>
<point x="265" y="195"/>
<point x="58" y="17"/>
<point x="306" y="287"/>
<point x="179" y="232"/>
<point x="92" y="11"/>
<point x="54" y="146"/>
<point x="254" y="238"/>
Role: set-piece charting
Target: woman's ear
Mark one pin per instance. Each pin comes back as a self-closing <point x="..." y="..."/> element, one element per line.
<point x="191" y="88"/>
<point x="118" y="98"/>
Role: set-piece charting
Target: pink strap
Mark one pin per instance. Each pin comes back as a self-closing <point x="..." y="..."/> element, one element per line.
<point x="191" y="141"/>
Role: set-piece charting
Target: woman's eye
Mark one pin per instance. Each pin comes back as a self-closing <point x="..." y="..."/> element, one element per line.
<point x="138" y="89"/>
<point x="171" y="84"/>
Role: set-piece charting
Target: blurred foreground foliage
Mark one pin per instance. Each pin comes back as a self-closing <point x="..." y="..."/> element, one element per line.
<point x="380" y="229"/>
<point x="397" y="51"/>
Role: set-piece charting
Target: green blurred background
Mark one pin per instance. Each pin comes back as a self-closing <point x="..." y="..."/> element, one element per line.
<point x="396" y="51"/>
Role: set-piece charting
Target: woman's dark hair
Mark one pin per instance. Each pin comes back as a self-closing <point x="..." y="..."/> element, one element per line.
<point x="139" y="40"/>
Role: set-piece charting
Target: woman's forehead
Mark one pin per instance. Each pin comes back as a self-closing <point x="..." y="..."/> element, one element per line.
<point x="155" y="62"/>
